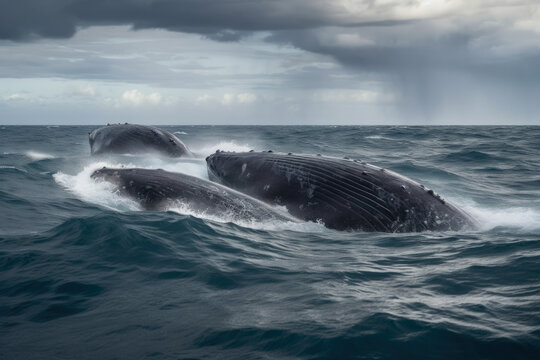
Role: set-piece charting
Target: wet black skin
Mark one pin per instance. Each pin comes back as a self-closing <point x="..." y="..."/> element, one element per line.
<point x="344" y="194"/>
<point x="158" y="189"/>
<point x="135" y="139"/>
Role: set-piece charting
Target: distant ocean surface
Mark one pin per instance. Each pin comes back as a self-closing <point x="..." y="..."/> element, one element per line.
<point x="85" y="274"/>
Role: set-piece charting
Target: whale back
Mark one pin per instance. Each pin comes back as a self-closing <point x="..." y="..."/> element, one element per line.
<point x="343" y="194"/>
<point x="135" y="139"/>
<point x="156" y="189"/>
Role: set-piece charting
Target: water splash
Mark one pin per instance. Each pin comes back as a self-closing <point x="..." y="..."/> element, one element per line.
<point x="105" y="194"/>
<point x="223" y="145"/>
<point x="512" y="217"/>
<point x="95" y="192"/>
<point x="268" y="225"/>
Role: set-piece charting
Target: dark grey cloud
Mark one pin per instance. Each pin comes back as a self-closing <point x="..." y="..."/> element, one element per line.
<point x="455" y="71"/>
<point x="459" y="55"/>
<point x="408" y="46"/>
<point x="394" y="42"/>
<point x="415" y="61"/>
<point x="222" y="20"/>
<point x="24" y="19"/>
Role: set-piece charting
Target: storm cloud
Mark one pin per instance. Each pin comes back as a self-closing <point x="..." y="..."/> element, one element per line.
<point x="27" y="19"/>
<point x="436" y="59"/>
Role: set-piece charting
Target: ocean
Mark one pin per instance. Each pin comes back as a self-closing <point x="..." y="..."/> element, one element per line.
<point x="86" y="274"/>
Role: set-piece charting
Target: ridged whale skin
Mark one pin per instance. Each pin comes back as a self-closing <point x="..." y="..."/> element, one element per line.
<point x="343" y="194"/>
<point x="156" y="189"/>
<point x="135" y="139"/>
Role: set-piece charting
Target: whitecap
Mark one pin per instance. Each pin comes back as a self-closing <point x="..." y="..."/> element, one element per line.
<point x="516" y="217"/>
<point x="12" y="167"/>
<point x="267" y="225"/>
<point x="224" y="146"/>
<point x="34" y="155"/>
<point x="377" y="137"/>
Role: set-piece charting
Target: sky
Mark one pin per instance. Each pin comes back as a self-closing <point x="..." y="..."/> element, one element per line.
<point x="283" y="62"/>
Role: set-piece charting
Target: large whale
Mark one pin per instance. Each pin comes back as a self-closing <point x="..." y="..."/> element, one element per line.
<point x="344" y="194"/>
<point x="156" y="189"/>
<point x="135" y="139"/>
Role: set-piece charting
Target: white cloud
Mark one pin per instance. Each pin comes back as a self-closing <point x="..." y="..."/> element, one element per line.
<point x="246" y="98"/>
<point x="243" y="98"/>
<point x="136" y="98"/>
<point x="530" y="21"/>
<point x="363" y="96"/>
<point x="154" y="98"/>
<point x="85" y="91"/>
<point x="16" y="97"/>
<point x="227" y="99"/>
<point x="397" y="9"/>
<point x="345" y="37"/>
<point x="202" y="99"/>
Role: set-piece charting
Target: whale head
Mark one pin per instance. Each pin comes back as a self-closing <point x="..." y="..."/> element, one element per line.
<point x="107" y="174"/>
<point x="222" y="167"/>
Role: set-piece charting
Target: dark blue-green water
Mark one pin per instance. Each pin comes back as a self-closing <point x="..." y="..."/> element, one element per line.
<point x="84" y="274"/>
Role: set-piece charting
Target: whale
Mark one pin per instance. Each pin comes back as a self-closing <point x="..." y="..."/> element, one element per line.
<point x="135" y="139"/>
<point x="344" y="194"/>
<point x="158" y="190"/>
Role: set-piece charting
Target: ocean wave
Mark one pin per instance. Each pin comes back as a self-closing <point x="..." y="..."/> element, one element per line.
<point x="84" y="267"/>
<point x="34" y="155"/>
<point x="269" y="225"/>
<point x="11" y="167"/>
<point x="277" y="291"/>
<point x="471" y="156"/>
<point x="377" y="137"/>
<point x="379" y="336"/>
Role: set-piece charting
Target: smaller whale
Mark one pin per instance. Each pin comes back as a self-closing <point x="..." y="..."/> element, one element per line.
<point x="344" y="194"/>
<point x="157" y="189"/>
<point x="135" y="139"/>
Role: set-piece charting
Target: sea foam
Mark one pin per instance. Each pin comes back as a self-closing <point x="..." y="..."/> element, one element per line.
<point x="34" y="155"/>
